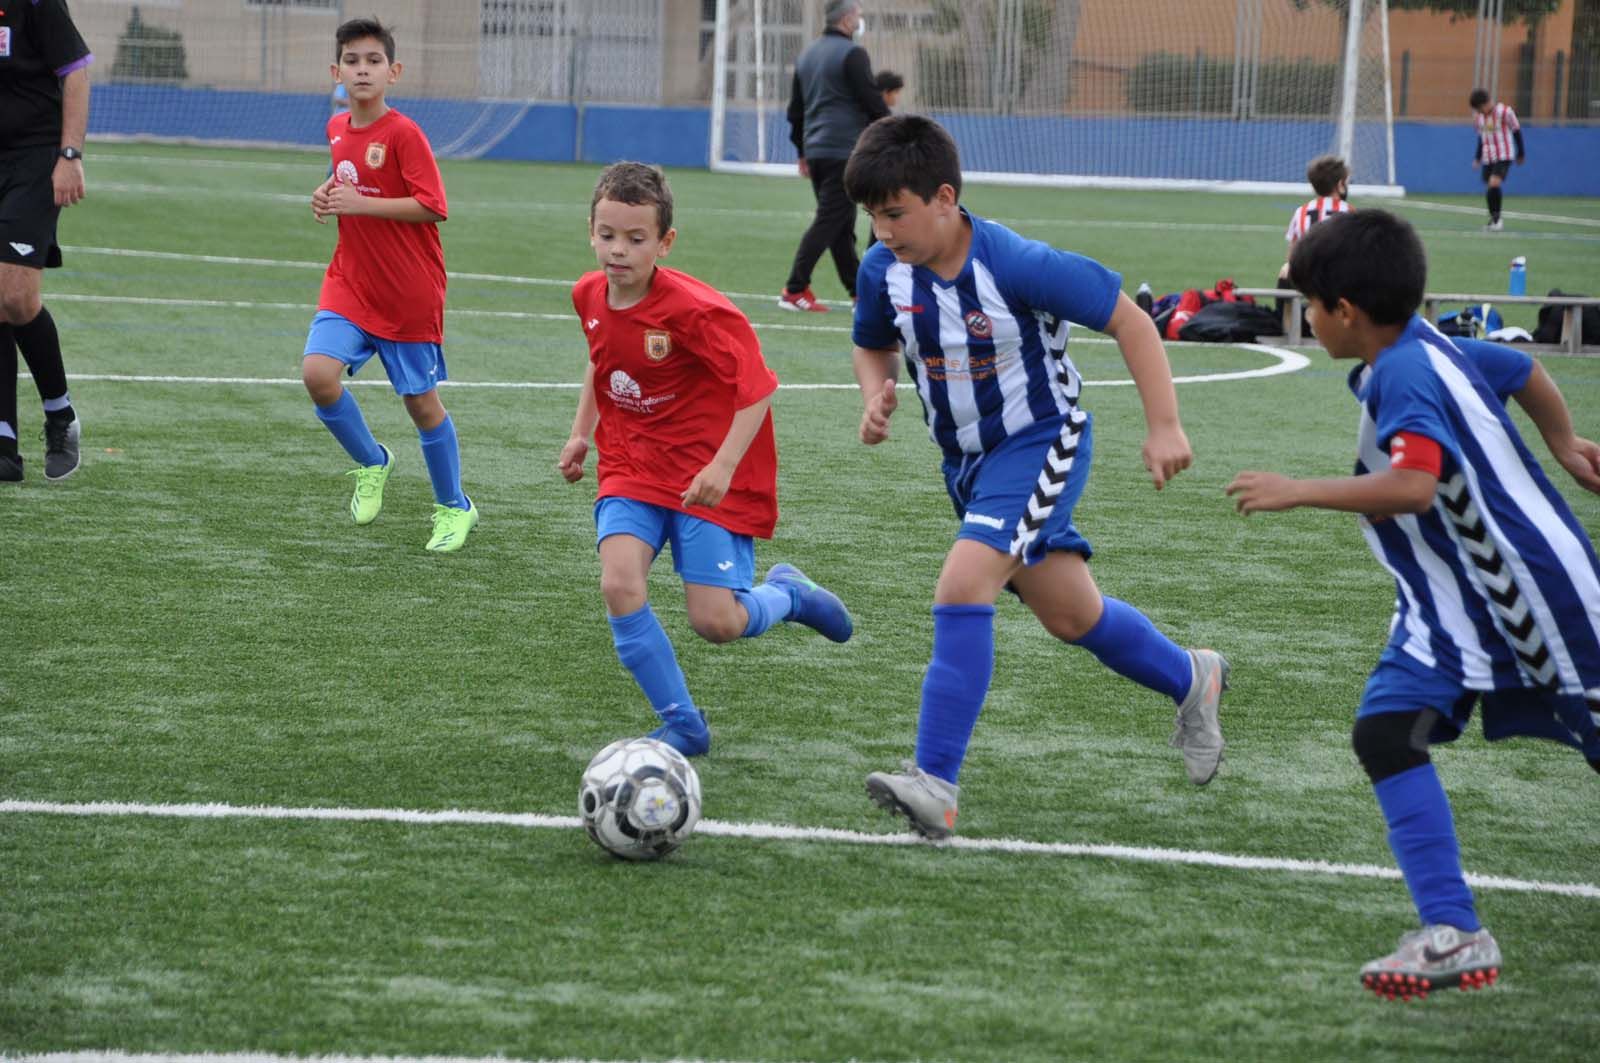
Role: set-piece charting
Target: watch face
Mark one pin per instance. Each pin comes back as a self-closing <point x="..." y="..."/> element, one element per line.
<point x="71" y="153"/>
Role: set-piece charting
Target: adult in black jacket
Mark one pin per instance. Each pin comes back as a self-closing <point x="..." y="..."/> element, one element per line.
<point x="833" y="99"/>
<point x="44" y="112"/>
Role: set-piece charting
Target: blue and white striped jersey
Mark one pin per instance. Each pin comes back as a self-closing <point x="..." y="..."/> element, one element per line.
<point x="1498" y="584"/>
<point x="988" y="351"/>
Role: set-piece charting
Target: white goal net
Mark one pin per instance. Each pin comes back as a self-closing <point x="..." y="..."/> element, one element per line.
<point x="1156" y="93"/>
<point x="256" y="71"/>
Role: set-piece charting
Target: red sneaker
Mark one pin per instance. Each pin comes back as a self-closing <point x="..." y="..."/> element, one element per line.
<point x="788" y="300"/>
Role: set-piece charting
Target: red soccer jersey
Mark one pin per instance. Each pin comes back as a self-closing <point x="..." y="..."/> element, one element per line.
<point x="669" y="373"/>
<point x="387" y="276"/>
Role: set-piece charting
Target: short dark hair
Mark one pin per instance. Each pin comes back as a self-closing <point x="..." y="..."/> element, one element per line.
<point x="357" y="28"/>
<point x="1371" y="258"/>
<point x="902" y="151"/>
<point x="635" y="184"/>
<point x="1326" y="173"/>
<point x="888" y="81"/>
<point x="1478" y="98"/>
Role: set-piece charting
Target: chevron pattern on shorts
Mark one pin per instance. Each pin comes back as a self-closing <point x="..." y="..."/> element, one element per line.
<point x="1494" y="576"/>
<point x="1052" y="478"/>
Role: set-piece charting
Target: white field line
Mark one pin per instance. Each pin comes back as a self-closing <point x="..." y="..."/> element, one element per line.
<point x="575" y="208"/>
<point x="113" y="1056"/>
<point x="1288" y="362"/>
<point x="1514" y="215"/>
<point x="778" y="832"/>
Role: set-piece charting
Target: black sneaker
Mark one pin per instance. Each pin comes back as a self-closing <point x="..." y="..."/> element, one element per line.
<point x="60" y="446"/>
<point x="10" y="468"/>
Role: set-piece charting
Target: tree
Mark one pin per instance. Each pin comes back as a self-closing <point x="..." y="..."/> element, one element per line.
<point x="149" y="53"/>
<point x="1529" y="11"/>
<point x="1008" y="55"/>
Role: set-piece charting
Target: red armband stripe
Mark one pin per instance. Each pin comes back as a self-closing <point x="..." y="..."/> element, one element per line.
<point x="1408" y="450"/>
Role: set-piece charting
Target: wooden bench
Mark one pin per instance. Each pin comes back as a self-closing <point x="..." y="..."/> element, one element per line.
<point x="1571" y="317"/>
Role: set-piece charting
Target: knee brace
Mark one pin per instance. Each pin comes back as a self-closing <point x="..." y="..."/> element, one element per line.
<point x="1392" y="742"/>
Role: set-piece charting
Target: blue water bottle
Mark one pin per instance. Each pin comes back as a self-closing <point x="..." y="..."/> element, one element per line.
<point x="1518" y="284"/>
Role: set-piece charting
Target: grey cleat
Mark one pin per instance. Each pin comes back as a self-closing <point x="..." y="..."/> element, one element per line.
<point x="1195" y="728"/>
<point x="61" y="446"/>
<point x="1435" y="957"/>
<point x="926" y="801"/>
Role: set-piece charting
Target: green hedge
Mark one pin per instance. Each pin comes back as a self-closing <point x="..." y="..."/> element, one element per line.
<point x="149" y="53"/>
<point x="1197" y="84"/>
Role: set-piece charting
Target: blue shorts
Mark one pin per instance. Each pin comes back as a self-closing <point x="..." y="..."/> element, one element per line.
<point x="702" y="552"/>
<point x="1401" y="683"/>
<point x="413" y="368"/>
<point x="991" y="491"/>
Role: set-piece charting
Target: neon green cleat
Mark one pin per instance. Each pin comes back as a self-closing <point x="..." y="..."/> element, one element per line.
<point x="367" y="502"/>
<point x="450" y="527"/>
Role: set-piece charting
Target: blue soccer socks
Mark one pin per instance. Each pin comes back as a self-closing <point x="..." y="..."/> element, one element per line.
<point x="344" y="420"/>
<point x="442" y="454"/>
<point x="646" y="652"/>
<point x="1125" y="641"/>
<point x="765" y="605"/>
<point x="1423" y="839"/>
<point x="954" y="687"/>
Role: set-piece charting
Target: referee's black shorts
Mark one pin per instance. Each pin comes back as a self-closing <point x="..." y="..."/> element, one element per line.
<point x="1496" y="169"/>
<point x="28" y="210"/>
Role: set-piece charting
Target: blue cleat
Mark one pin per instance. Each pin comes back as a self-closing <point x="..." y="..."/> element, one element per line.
<point x="684" y="730"/>
<point x="816" y="607"/>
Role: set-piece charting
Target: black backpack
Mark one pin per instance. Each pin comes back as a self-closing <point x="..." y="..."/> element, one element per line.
<point x="1225" y="322"/>
<point x="1550" y="314"/>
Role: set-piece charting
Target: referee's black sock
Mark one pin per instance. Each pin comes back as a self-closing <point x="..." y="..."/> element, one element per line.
<point x="1493" y="196"/>
<point x="8" y="390"/>
<point x="41" y="347"/>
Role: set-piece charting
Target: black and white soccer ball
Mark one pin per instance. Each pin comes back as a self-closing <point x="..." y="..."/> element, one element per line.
<point x="639" y="799"/>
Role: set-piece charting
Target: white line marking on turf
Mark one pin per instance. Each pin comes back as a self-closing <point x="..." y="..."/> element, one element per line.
<point x="114" y="1056"/>
<point x="777" y="832"/>
<point x="1513" y="215"/>
<point x="1288" y="362"/>
<point x="1022" y="224"/>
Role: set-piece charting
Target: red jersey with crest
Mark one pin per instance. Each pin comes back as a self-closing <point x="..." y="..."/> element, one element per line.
<point x="387" y="276"/>
<point x="669" y="373"/>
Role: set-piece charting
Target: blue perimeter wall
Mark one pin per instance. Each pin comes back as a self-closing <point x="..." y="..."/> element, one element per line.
<point x="1429" y="158"/>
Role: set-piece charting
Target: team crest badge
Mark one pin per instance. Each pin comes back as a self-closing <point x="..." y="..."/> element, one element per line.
<point x="657" y="345"/>
<point x="376" y="153"/>
<point x="979" y="325"/>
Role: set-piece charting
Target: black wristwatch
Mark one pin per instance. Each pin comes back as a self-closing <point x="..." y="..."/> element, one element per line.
<point x="70" y="153"/>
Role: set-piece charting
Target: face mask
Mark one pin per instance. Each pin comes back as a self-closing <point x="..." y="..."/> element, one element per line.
<point x="861" y="29"/>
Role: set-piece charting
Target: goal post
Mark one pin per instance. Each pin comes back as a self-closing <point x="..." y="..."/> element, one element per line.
<point x="1230" y="95"/>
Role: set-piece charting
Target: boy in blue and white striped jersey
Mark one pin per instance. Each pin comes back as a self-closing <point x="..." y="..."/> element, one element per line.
<point x="1498" y="586"/>
<point x="981" y="317"/>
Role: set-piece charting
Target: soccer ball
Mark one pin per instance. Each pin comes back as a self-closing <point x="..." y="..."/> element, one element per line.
<point x="639" y="799"/>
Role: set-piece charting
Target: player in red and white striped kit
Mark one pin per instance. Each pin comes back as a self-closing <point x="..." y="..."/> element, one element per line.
<point x="1330" y="180"/>
<point x="1499" y="144"/>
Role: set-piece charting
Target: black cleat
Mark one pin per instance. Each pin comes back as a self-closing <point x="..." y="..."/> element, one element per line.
<point x="60" y="446"/>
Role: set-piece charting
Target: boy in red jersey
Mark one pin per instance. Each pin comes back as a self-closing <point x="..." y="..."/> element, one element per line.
<point x="383" y="293"/>
<point x="686" y="450"/>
